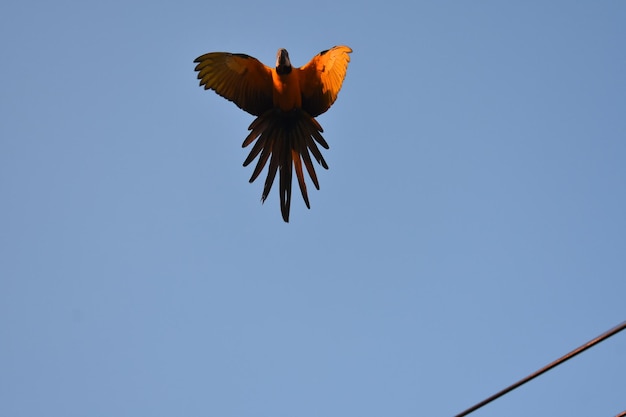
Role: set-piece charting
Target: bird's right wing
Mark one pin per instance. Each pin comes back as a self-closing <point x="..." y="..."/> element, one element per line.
<point x="240" y="78"/>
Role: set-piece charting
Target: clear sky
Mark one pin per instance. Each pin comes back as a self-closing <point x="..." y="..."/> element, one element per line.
<point x="471" y="227"/>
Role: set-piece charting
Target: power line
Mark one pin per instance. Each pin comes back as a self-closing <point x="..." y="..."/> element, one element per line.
<point x="546" y="368"/>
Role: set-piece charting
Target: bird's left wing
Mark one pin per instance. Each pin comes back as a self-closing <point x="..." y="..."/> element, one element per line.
<point x="240" y="78"/>
<point x="321" y="79"/>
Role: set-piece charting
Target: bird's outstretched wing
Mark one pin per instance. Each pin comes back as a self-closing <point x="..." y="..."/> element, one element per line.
<point x="321" y="79"/>
<point x="240" y="78"/>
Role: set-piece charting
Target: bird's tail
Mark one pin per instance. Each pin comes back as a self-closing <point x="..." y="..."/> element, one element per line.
<point x="286" y="139"/>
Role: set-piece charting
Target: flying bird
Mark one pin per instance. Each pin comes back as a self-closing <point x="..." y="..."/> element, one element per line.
<point x="286" y="101"/>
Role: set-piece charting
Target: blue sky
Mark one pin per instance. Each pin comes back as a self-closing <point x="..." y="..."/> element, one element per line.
<point x="470" y="228"/>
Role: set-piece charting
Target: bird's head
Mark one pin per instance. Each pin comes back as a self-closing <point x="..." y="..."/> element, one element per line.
<point x="283" y="65"/>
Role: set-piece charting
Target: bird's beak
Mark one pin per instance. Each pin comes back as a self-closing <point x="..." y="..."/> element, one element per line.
<point x="282" y="59"/>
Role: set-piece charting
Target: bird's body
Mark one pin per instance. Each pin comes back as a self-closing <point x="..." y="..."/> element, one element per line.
<point x="285" y="100"/>
<point x="286" y="91"/>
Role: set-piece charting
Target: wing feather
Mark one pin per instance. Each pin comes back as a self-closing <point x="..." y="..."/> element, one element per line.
<point x="321" y="79"/>
<point x="240" y="78"/>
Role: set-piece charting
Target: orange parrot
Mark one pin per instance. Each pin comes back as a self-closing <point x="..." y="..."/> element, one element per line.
<point x="286" y="101"/>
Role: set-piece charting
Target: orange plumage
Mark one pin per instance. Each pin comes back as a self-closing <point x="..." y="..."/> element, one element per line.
<point x="286" y="101"/>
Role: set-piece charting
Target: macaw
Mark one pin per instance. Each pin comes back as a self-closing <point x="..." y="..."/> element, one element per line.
<point x="286" y="101"/>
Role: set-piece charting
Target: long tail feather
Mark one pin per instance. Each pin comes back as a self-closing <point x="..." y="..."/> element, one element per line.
<point x="297" y="163"/>
<point x="285" y="179"/>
